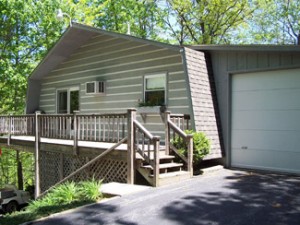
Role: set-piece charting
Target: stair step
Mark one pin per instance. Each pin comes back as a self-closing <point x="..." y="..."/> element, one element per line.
<point x="164" y="165"/>
<point x="161" y="156"/>
<point x="172" y="177"/>
<point x="172" y="174"/>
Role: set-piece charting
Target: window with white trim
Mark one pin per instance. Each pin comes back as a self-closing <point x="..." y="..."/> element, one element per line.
<point x="155" y="89"/>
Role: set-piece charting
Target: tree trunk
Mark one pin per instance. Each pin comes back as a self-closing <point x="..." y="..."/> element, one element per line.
<point x="19" y="172"/>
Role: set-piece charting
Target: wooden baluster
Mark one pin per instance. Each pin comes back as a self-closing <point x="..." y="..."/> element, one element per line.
<point x="99" y="131"/>
<point x="118" y="128"/>
<point x="83" y="121"/>
<point x="123" y="126"/>
<point x="104" y="128"/>
<point x="95" y="127"/>
<point x="87" y="129"/>
<point x="75" y="140"/>
<point x="131" y="117"/>
<point x="79" y="126"/>
<point x="9" y="130"/>
<point x="190" y="153"/>
<point x="167" y="132"/>
<point x="37" y="151"/>
<point x="113" y="129"/>
<point x="49" y="124"/>
<point x="156" y="161"/>
<point x="90" y="128"/>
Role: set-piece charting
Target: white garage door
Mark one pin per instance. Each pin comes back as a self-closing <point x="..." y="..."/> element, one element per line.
<point x="266" y="120"/>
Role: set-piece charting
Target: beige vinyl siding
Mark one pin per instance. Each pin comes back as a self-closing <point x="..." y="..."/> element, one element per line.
<point x="122" y="64"/>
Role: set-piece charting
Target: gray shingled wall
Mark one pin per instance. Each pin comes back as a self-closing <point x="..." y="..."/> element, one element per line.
<point x="202" y="100"/>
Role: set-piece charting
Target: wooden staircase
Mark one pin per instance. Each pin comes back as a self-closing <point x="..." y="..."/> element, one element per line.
<point x="169" y="171"/>
<point x="156" y="165"/>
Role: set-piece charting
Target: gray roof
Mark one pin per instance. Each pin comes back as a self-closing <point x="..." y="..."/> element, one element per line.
<point x="74" y="37"/>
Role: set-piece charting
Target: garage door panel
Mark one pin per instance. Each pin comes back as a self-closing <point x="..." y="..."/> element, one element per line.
<point x="268" y="80"/>
<point x="266" y="120"/>
<point x="266" y="100"/>
<point x="266" y="140"/>
<point x="280" y="162"/>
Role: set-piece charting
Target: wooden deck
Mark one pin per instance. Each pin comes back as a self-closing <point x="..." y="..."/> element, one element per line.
<point x="105" y="132"/>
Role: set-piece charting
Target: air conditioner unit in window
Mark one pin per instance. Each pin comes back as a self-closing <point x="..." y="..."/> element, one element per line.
<point x="95" y="87"/>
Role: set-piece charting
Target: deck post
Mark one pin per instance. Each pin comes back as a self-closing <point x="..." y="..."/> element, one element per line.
<point x="190" y="153"/>
<point x="37" y="163"/>
<point x="9" y="129"/>
<point x="75" y="133"/>
<point x="156" y="161"/>
<point x="131" y="116"/>
<point x="167" y="132"/>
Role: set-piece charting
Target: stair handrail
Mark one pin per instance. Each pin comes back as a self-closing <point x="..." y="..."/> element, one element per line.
<point x="140" y="148"/>
<point x="143" y="129"/>
<point x="137" y="135"/>
<point x="188" y="138"/>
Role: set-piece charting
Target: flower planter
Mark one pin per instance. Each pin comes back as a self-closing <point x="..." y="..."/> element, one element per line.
<point x="149" y="109"/>
<point x="145" y="110"/>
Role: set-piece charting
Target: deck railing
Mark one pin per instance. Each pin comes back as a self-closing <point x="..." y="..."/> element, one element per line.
<point x="172" y="132"/>
<point x="101" y="127"/>
<point x="17" y="125"/>
<point x="181" y="120"/>
<point x="83" y="127"/>
<point x="87" y="127"/>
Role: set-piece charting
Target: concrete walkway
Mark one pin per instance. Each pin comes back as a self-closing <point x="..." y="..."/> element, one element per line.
<point x="223" y="197"/>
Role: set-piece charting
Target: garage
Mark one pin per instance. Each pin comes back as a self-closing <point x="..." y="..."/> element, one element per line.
<point x="265" y="120"/>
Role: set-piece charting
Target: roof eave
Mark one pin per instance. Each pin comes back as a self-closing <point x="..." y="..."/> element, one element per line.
<point x="259" y="48"/>
<point x="75" y="36"/>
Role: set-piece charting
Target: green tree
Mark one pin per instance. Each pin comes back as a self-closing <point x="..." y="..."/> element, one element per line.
<point x="272" y="22"/>
<point x="141" y="15"/>
<point x="205" y="21"/>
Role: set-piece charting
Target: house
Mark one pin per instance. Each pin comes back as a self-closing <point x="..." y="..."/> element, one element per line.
<point x="245" y="98"/>
<point x="126" y="65"/>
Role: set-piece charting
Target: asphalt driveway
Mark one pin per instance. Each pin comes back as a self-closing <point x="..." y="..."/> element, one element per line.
<point x="224" y="197"/>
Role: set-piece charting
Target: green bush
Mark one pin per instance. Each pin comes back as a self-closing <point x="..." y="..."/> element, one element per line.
<point x="201" y="146"/>
<point x="90" y="189"/>
<point x="66" y="193"/>
<point x="69" y="193"/>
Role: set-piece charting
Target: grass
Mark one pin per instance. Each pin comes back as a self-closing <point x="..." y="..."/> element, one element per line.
<point x="66" y="196"/>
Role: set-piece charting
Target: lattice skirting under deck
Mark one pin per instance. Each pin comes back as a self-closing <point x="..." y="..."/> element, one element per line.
<point x="56" y="166"/>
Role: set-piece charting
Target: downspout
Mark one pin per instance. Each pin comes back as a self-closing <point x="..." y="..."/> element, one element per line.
<point x="189" y="93"/>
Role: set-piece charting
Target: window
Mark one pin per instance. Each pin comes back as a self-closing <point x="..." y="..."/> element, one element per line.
<point x="68" y="100"/>
<point x="95" y="87"/>
<point x="155" y="89"/>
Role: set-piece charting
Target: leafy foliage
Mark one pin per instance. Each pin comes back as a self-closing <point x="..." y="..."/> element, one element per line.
<point x="9" y="167"/>
<point x="201" y="146"/>
<point x="90" y="189"/>
<point x="65" y="193"/>
<point x="66" y="196"/>
<point x="205" y="21"/>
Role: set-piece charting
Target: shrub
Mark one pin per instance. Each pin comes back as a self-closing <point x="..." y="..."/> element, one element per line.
<point x="201" y="146"/>
<point x="90" y="189"/>
<point x="66" y="193"/>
